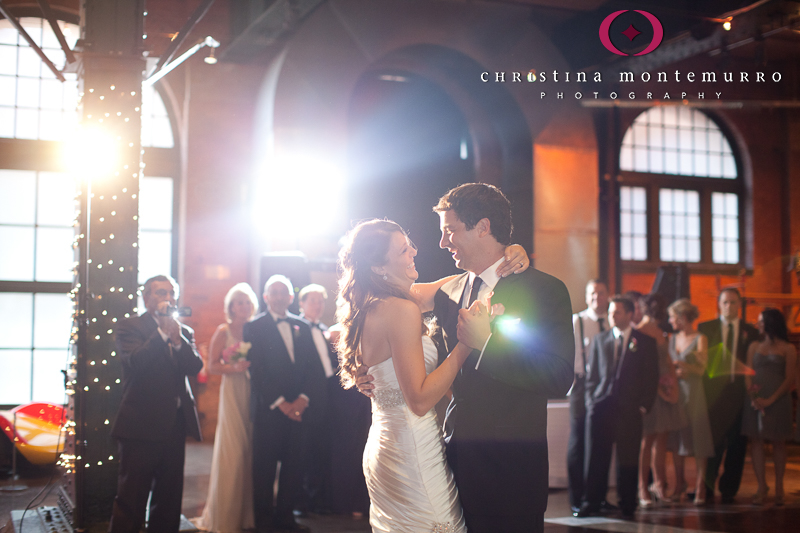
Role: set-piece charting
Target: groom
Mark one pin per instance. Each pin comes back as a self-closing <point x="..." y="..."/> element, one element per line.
<point x="496" y="425"/>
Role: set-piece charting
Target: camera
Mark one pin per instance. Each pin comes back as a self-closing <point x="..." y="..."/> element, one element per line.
<point x="177" y="312"/>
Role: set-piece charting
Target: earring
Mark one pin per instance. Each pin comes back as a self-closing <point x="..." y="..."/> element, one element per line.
<point x="385" y="277"/>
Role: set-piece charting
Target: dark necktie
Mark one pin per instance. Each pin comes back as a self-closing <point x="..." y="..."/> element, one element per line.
<point x="279" y="320"/>
<point x="601" y="323"/>
<point x="618" y="349"/>
<point x="729" y="351"/>
<point x="476" y="286"/>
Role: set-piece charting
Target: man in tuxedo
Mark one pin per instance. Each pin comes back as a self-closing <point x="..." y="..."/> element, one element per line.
<point x="585" y="326"/>
<point x="317" y="456"/>
<point x="496" y="424"/>
<point x="286" y="379"/>
<point x="725" y="392"/>
<point x="156" y="413"/>
<point x="621" y="385"/>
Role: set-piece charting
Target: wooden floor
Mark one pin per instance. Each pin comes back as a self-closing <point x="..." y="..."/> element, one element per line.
<point x="741" y="517"/>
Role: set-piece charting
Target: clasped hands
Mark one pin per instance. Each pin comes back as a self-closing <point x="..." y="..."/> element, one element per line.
<point x="474" y="323"/>
<point x="294" y="410"/>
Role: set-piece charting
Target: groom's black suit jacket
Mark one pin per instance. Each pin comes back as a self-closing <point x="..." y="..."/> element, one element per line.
<point x="497" y="421"/>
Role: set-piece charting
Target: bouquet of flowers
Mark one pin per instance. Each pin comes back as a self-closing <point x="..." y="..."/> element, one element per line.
<point x="753" y="391"/>
<point x="236" y="352"/>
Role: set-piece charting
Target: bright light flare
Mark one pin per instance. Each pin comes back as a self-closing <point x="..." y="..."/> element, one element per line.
<point x="92" y="153"/>
<point x="299" y="196"/>
<point x="727" y="25"/>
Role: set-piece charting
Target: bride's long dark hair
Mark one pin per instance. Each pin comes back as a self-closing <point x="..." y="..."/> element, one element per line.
<point x="366" y="246"/>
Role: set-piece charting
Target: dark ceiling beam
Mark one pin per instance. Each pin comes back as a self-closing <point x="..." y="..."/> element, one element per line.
<point x="48" y="14"/>
<point x="269" y="30"/>
<point x="190" y="23"/>
<point x="14" y="22"/>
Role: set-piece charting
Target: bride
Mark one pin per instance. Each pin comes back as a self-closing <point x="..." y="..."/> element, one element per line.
<point x="410" y="485"/>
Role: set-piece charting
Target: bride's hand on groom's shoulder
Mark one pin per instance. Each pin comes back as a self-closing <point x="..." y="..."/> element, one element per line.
<point x="516" y="261"/>
<point x="363" y="379"/>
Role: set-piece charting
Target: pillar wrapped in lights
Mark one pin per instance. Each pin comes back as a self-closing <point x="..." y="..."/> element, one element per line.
<point x="106" y="155"/>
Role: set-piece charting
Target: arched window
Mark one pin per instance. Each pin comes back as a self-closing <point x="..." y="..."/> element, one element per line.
<point x="37" y="209"/>
<point x="680" y="194"/>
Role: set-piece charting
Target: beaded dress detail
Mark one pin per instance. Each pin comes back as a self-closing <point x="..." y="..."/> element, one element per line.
<point x="410" y="484"/>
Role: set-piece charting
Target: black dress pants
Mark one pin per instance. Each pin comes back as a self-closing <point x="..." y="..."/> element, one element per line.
<point x="606" y="425"/>
<point x="276" y="438"/>
<point x="732" y="446"/>
<point x="146" y="466"/>
<point x="576" y="449"/>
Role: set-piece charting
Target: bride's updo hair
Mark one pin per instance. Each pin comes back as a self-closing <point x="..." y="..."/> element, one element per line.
<point x="366" y="246"/>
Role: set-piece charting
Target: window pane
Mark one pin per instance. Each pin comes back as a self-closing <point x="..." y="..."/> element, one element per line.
<point x="633" y="222"/>
<point x="28" y="92"/>
<point x="52" y="320"/>
<point x="16" y="331"/>
<point x="626" y="157"/>
<point x="676" y="141"/>
<point x="725" y="228"/>
<point x="155" y="203"/>
<point x="56" y="199"/>
<point x="28" y="63"/>
<point x="155" y="254"/>
<point x="48" y="381"/>
<point x="17" y="197"/>
<point x="156" y="129"/>
<point x="680" y="225"/>
<point x="35" y="86"/>
<point x="8" y="88"/>
<point x="54" y="254"/>
<point x="27" y="124"/>
<point x="20" y="240"/>
<point x="7" y="122"/>
<point x="16" y="365"/>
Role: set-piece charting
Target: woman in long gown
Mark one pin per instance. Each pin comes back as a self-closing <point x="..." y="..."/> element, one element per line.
<point x="410" y="484"/>
<point x="229" y="504"/>
<point x="689" y="351"/>
<point x="768" y="416"/>
<point x="666" y="415"/>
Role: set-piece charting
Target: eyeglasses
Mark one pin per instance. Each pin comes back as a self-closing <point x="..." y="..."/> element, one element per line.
<point x="164" y="292"/>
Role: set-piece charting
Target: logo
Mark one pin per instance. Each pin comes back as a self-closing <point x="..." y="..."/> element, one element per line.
<point x="631" y="32"/>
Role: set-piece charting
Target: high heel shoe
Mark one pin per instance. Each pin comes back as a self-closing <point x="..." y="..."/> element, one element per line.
<point x="646" y="503"/>
<point x="657" y="492"/>
<point x="760" y="496"/>
<point x="679" y="494"/>
<point x="699" y="500"/>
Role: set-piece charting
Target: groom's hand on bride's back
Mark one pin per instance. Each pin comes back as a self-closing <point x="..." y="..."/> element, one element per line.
<point x="363" y="379"/>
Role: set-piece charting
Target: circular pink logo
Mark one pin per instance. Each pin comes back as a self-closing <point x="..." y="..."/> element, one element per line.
<point x="631" y="32"/>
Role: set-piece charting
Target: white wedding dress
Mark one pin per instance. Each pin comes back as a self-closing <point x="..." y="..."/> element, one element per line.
<point x="410" y="484"/>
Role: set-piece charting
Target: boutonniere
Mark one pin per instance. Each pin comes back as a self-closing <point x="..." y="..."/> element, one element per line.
<point x="633" y="345"/>
<point x="295" y="330"/>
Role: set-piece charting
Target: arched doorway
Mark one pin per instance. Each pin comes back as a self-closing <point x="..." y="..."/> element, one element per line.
<point x="418" y="126"/>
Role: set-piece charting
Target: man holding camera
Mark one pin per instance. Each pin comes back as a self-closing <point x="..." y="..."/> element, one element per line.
<point x="156" y="413"/>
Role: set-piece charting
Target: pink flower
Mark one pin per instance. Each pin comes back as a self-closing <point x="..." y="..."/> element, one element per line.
<point x="236" y="352"/>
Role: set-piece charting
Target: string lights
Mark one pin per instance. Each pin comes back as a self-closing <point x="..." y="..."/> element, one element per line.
<point x="106" y="155"/>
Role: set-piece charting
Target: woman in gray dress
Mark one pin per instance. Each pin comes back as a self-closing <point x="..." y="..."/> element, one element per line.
<point x="689" y="351"/>
<point x="667" y="414"/>
<point x="768" y="416"/>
